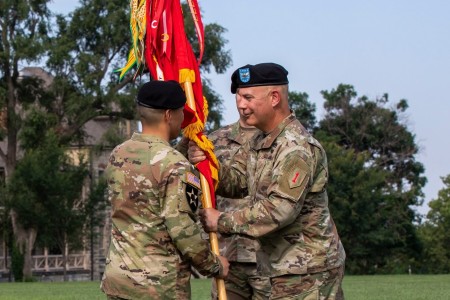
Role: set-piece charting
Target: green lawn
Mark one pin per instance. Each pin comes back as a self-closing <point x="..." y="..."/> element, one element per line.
<point x="386" y="287"/>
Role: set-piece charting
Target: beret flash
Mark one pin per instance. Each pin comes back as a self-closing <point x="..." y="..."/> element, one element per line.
<point x="258" y="75"/>
<point x="161" y="95"/>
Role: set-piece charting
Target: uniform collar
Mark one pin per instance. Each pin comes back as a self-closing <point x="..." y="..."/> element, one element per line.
<point x="265" y="140"/>
<point x="140" y="137"/>
<point x="238" y="135"/>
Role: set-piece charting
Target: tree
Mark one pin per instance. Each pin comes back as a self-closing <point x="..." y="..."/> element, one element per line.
<point x="45" y="191"/>
<point x="88" y="45"/>
<point x="5" y="225"/>
<point x="46" y="187"/>
<point x="303" y="109"/>
<point x="24" y="26"/>
<point x="434" y="232"/>
<point x="368" y="127"/>
<point x="356" y="204"/>
<point x="95" y="210"/>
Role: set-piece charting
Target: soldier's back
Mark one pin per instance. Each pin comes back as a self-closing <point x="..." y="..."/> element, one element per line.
<point x="143" y="260"/>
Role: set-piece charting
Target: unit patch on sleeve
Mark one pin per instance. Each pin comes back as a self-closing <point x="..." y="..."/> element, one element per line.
<point x="293" y="179"/>
<point x="193" y="180"/>
<point x="192" y="197"/>
<point x="192" y="187"/>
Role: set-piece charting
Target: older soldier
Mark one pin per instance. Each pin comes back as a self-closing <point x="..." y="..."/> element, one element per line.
<point x="154" y="194"/>
<point x="286" y="172"/>
<point x="243" y="281"/>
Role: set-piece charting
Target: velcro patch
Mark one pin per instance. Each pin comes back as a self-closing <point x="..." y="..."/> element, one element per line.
<point x="192" y="197"/>
<point x="295" y="180"/>
<point x="193" y="180"/>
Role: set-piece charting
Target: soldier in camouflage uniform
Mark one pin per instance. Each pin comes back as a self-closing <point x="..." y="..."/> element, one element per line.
<point x="154" y="194"/>
<point x="286" y="172"/>
<point x="243" y="281"/>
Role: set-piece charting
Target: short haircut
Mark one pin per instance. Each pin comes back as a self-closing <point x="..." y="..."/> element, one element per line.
<point x="150" y="116"/>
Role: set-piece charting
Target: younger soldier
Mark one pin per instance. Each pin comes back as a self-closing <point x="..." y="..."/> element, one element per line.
<point x="154" y="193"/>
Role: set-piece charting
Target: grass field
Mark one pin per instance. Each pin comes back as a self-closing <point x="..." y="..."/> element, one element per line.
<point x="386" y="287"/>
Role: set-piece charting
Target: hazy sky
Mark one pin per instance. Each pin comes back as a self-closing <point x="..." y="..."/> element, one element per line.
<point x="397" y="47"/>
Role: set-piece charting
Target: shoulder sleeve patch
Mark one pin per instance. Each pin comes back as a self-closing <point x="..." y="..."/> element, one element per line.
<point x="293" y="179"/>
<point x="193" y="180"/>
<point x="296" y="178"/>
<point x="192" y="192"/>
<point x="192" y="197"/>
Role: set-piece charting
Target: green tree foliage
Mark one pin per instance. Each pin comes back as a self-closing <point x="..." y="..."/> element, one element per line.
<point x="24" y="27"/>
<point x="303" y="109"/>
<point x="435" y="233"/>
<point x="358" y="221"/>
<point x="87" y="46"/>
<point x="17" y="263"/>
<point x="383" y="206"/>
<point x="93" y="41"/>
<point x="45" y="190"/>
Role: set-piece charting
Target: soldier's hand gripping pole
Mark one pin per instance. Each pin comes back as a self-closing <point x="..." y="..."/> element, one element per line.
<point x="206" y="199"/>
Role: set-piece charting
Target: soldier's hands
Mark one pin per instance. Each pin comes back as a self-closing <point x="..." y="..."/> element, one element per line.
<point x="225" y="267"/>
<point x="209" y="218"/>
<point x="195" y="154"/>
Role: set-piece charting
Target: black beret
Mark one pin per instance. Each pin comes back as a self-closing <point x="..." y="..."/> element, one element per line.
<point x="161" y="95"/>
<point x="256" y="75"/>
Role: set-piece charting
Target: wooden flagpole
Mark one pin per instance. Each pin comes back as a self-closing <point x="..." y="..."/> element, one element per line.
<point x="206" y="199"/>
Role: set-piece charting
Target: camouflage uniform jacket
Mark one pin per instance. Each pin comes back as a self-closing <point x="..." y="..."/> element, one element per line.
<point x="154" y="195"/>
<point x="227" y="140"/>
<point x="286" y="172"/>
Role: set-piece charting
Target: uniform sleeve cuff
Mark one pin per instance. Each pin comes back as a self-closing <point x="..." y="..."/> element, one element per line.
<point x="224" y="223"/>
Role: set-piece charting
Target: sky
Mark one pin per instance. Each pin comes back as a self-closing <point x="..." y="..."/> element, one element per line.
<point x="397" y="47"/>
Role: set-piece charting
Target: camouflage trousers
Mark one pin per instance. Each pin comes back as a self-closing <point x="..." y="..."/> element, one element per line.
<point x="243" y="283"/>
<point x="317" y="286"/>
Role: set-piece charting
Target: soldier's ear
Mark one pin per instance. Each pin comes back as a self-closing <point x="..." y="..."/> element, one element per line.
<point x="167" y="115"/>
<point x="275" y="97"/>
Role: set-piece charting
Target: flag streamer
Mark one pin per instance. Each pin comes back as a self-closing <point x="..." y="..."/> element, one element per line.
<point x="138" y="21"/>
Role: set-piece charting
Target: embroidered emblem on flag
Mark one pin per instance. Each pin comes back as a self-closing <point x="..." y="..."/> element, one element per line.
<point x="193" y="180"/>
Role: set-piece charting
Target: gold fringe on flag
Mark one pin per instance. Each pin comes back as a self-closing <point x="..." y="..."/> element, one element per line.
<point x="191" y="130"/>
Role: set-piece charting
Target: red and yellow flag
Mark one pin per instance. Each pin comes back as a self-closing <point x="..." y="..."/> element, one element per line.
<point x="159" y="42"/>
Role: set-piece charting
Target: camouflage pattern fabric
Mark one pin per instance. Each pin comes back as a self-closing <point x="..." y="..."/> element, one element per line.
<point x="227" y="140"/>
<point x="286" y="173"/>
<point x="317" y="286"/>
<point x="242" y="282"/>
<point x="154" y="193"/>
